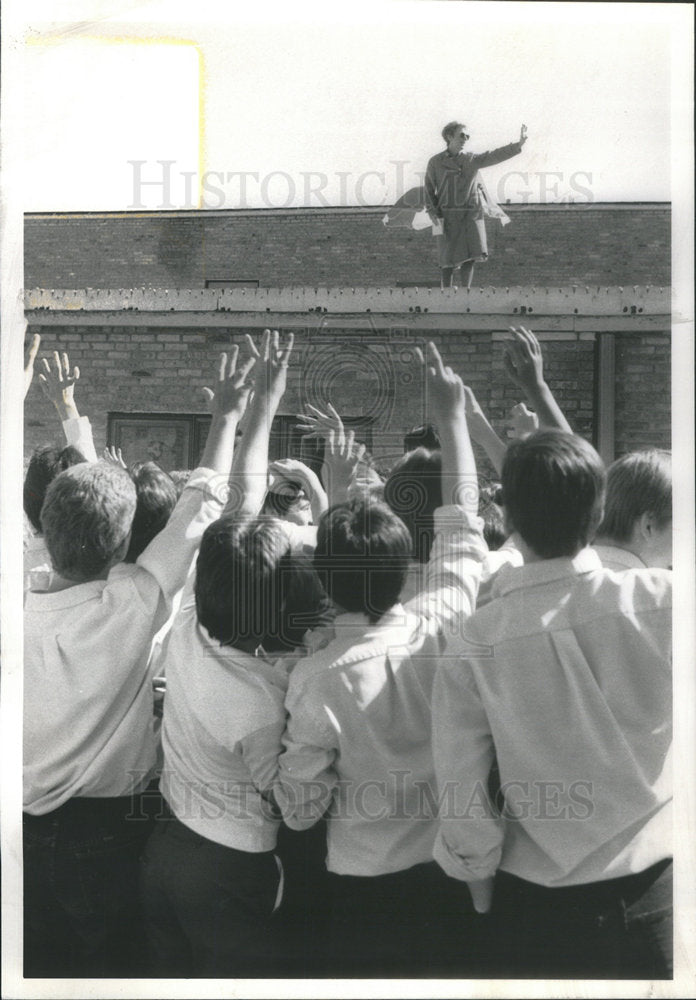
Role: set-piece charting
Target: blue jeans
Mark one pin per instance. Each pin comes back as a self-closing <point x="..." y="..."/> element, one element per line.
<point x="617" y="929"/>
<point x="208" y="908"/>
<point x="82" y="914"/>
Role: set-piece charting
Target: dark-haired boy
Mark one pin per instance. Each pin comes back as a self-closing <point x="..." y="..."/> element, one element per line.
<point x="564" y="677"/>
<point x="211" y="879"/>
<point x="89" y="744"/>
<point x="358" y="736"/>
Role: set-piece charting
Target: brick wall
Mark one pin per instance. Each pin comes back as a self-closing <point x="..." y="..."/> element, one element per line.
<point x="366" y="373"/>
<point x="643" y="392"/>
<point x="545" y="245"/>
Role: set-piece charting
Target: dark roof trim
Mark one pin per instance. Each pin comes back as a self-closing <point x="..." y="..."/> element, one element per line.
<point x="379" y="210"/>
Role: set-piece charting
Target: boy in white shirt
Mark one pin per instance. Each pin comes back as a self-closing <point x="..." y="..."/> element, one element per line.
<point x="211" y="879"/>
<point x="89" y="743"/>
<point x="565" y="679"/>
<point x="358" y="731"/>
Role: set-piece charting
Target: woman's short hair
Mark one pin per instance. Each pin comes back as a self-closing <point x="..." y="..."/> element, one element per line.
<point x="413" y="490"/>
<point x="156" y="499"/>
<point x="86" y="519"/>
<point x="553" y="492"/>
<point x="362" y="556"/>
<point x="251" y="590"/>
<point x="638" y="483"/>
<point x="449" y="130"/>
<point x="44" y="465"/>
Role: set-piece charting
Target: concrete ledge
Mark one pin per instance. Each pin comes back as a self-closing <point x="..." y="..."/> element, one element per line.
<point x="515" y="303"/>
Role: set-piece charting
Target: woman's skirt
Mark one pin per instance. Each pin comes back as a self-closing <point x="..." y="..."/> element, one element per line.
<point x="464" y="237"/>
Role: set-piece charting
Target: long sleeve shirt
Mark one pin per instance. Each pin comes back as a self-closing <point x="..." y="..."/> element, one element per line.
<point x="223" y="721"/>
<point x="565" y="678"/>
<point x="88" y="705"/>
<point x="358" y="734"/>
<point x="78" y="433"/>
<point x="450" y="181"/>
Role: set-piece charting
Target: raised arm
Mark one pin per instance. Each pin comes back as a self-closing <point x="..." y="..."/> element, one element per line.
<point x="58" y="384"/>
<point x="250" y="467"/>
<point x="482" y="433"/>
<point x="169" y="556"/>
<point x="447" y="406"/>
<point x="29" y="359"/>
<point x="295" y="471"/>
<point x="502" y="153"/>
<point x="341" y="451"/>
<point x="524" y="364"/>
<point x="458" y="550"/>
<point x="227" y="401"/>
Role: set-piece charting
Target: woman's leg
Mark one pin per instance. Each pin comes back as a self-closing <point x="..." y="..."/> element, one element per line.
<point x="467" y="273"/>
<point x="446" y="277"/>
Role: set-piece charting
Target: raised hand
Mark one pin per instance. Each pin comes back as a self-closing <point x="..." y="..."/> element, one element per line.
<point x="524" y="361"/>
<point x="231" y="393"/>
<point x="114" y="457"/>
<point x="447" y="404"/>
<point x="525" y="366"/>
<point x="272" y="366"/>
<point x="524" y="421"/>
<point x="250" y="467"/>
<point x="29" y="359"/>
<point x="227" y="402"/>
<point x="318" y="424"/>
<point x="58" y="384"/>
<point x="523" y="135"/>
<point x="446" y="394"/>
<point x="341" y="456"/>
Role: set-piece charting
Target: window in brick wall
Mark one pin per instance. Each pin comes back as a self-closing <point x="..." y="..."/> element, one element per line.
<point x="177" y="440"/>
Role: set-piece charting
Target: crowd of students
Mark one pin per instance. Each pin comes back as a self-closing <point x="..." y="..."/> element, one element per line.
<point x="281" y="724"/>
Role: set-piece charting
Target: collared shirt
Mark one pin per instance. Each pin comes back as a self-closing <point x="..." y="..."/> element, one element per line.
<point x="358" y="731"/>
<point x="565" y="678"/>
<point x="88" y="704"/>
<point x="223" y="721"/>
<point x="499" y="561"/>
<point x="37" y="565"/>
<point x="302" y="537"/>
<point x="616" y="558"/>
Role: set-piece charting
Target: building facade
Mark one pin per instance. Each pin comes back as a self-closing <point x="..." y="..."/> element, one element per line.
<point x="143" y="302"/>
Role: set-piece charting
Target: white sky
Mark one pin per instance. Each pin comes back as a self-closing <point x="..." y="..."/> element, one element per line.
<point x="286" y="90"/>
